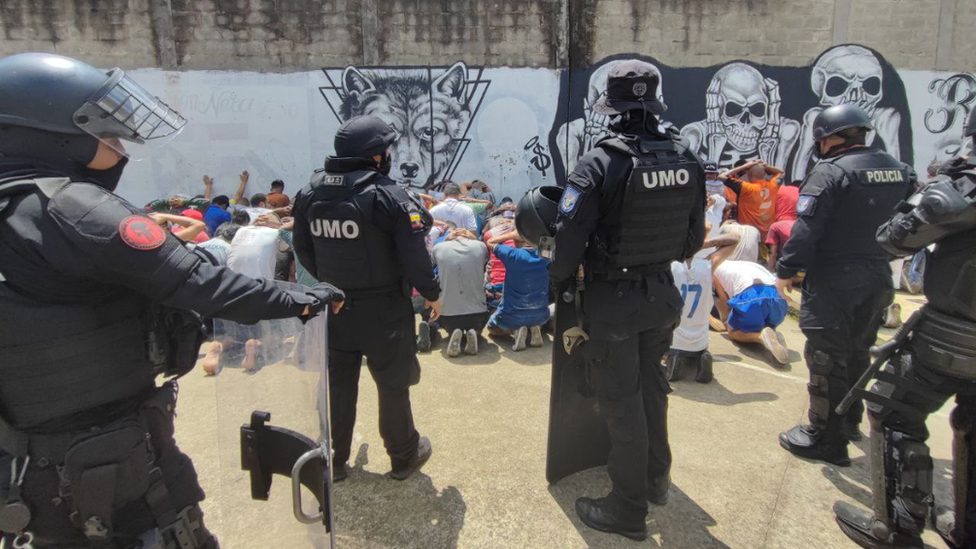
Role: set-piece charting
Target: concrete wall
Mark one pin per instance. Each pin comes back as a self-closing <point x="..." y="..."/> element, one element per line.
<point x="289" y="35"/>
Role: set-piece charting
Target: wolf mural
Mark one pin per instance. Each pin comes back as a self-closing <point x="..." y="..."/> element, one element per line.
<point x="431" y="110"/>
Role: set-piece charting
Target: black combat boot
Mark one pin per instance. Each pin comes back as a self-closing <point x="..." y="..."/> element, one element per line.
<point x="657" y="490"/>
<point x="806" y="441"/>
<point x="596" y="514"/>
<point x="402" y="471"/>
<point x="864" y="530"/>
<point x="340" y="472"/>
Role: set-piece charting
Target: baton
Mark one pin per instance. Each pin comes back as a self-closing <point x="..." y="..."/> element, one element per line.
<point x="881" y="353"/>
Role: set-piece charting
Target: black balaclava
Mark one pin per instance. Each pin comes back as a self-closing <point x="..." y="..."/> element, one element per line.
<point x="386" y="164"/>
<point x="108" y="179"/>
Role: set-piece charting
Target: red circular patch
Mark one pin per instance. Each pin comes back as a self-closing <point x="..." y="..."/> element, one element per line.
<point x="141" y="233"/>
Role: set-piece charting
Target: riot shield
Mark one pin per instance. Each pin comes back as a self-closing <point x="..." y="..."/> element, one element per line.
<point x="272" y="485"/>
<point x="578" y="436"/>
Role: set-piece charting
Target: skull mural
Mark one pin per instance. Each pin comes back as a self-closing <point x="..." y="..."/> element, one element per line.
<point x="842" y="75"/>
<point x="578" y="136"/>
<point x="742" y="119"/>
<point x="849" y="74"/>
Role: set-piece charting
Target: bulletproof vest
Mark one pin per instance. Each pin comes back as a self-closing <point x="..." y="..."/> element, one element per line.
<point x="351" y="250"/>
<point x="62" y="363"/>
<point x="950" y="272"/>
<point x="876" y="183"/>
<point x="660" y="193"/>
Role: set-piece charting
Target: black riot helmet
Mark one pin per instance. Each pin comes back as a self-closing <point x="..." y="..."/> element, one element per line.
<point x="363" y="137"/>
<point x="836" y="119"/>
<point x="535" y="217"/>
<point x="58" y="108"/>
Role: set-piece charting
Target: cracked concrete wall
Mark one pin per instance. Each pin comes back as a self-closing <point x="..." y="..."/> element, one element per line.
<point x="290" y="35"/>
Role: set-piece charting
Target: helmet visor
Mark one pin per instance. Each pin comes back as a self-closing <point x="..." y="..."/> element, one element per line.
<point x="122" y="110"/>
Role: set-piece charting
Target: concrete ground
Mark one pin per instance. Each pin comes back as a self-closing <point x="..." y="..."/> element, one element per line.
<point x="485" y="487"/>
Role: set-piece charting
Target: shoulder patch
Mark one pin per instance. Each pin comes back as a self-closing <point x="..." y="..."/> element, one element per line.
<point x="570" y="201"/>
<point x="141" y="233"/>
<point x="334" y="180"/>
<point x="806" y="205"/>
<point x="416" y="221"/>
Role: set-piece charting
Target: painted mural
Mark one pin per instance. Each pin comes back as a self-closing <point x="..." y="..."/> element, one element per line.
<point x="742" y="111"/>
<point x="517" y="128"/>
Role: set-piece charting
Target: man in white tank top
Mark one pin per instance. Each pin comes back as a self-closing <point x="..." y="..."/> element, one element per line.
<point x="689" y="347"/>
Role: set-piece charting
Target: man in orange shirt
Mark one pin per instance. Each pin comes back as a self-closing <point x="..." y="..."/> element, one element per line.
<point x="277" y="197"/>
<point x="755" y="186"/>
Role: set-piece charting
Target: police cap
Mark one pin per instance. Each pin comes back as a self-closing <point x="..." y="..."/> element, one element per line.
<point x="535" y="215"/>
<point x="631" y="85"/>
<point x="838" y="118"/>
<point x="363" y="136"/>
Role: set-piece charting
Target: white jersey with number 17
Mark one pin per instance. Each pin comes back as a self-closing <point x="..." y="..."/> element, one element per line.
<point x="695" y="285"/>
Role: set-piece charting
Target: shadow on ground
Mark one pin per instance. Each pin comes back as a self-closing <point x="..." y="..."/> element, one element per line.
<point x="756" y="353"/>
<point x="716" y="393"/>
<point x="682" y="523"/>
<point x="375" y="511"/>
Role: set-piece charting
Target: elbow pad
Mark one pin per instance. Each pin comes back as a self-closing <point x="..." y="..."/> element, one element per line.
<point x="940" y="201"/>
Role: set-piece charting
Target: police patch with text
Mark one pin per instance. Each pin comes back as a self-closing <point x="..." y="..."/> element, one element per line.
<point x="343" y="229"/>
<point x="334" y="180"/>
<point x="884" y="176"/>
<point x="669" y="177"/>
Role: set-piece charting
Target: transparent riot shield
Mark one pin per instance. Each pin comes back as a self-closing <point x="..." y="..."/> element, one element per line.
<point x="272" y="483"/>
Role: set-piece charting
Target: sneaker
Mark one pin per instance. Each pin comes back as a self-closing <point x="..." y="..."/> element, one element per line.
<point x="423" y="336"/>
<point x="471" y="343"/>
<point x="770" y="340"/>
<point x="536" y="336"/>
<point x="423" y="454"/>
<point x="520" y="336"/>
<point x="892" y="316"/>
<point x="454" y="345"/>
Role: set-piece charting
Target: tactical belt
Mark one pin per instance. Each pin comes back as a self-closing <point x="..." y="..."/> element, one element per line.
<point x="946" y="344"/>
<point x="638" y="275"/>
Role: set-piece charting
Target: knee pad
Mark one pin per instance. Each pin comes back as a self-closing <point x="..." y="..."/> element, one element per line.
<point x="818" y="361"/>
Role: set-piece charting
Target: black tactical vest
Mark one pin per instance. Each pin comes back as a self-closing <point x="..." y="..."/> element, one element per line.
<point x="662" y="189"/>
<point x="60" y="360"/>
<point x="351" y="251"/>
<point x="875" y="184"/>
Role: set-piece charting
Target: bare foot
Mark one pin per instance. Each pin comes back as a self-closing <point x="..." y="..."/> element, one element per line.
<point x="211" y="362"/>
<point x="250" y="362"/>
<point x="716" y="325"/>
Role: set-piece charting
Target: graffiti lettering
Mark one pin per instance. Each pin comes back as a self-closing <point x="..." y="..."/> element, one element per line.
<point x="218" y="103"/>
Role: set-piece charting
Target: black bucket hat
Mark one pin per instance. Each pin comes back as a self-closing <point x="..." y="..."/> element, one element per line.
<point x="631" y="85"/>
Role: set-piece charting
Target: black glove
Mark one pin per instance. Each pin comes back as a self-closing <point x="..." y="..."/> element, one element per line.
<point x="325" y="294"/>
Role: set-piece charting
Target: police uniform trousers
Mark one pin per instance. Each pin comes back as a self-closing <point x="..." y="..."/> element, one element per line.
<point x="840" y="315"/>
<point x="624" y="370"/>
<point x="51" y="526"/>
<point x="381" y="328"/>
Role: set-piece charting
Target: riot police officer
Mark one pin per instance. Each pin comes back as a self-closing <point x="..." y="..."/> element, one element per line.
<point x="935" y="354"/>
<point x="93" y="306"/>
<point x="356" y="228"/>
<point x="848" y="285"/>
<point x="633" y="204"/>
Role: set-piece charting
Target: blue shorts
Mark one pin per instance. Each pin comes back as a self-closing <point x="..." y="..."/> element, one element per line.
<point x="758" y="307"/>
